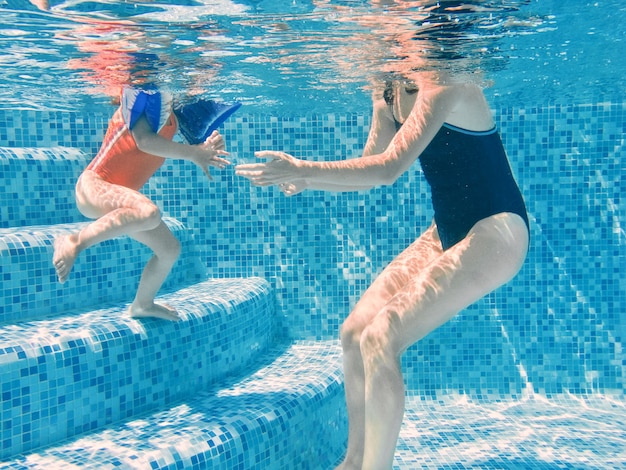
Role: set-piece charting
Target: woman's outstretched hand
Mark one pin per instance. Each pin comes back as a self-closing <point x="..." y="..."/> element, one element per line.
<point x="280" y="170"/>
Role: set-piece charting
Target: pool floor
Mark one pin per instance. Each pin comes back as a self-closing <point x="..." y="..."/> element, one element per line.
<point x="534" y="433"/>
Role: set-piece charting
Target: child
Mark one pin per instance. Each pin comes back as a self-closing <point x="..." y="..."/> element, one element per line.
<point x="137" y="141"/>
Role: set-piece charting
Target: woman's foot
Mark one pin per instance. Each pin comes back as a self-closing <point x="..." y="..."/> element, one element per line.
<point x="65" y="252"/>
<point x="165" y="312"/>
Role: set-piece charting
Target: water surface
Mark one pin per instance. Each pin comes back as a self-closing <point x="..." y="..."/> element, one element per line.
<point x="301" y="56"/>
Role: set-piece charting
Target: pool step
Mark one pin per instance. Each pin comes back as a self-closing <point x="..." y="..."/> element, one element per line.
<point x="74" y="374"/>
<point x="107" y="272"/>
<point x="273" y="418"/>
<point x="26" y="176"/>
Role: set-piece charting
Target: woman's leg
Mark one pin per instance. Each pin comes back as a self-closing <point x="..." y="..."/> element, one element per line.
<point x="490" y="255"/>
<point x="118" y="210"/>
<point x="394" y="277"/>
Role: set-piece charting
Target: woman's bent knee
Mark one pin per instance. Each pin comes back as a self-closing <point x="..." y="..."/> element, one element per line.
<point x="349" y="336"/>
<point x="378" y="340"/>
<point x="352" y="329"/>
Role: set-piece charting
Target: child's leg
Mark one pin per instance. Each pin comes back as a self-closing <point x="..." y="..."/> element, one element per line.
<point x="121" y="211"/>
<point x="166" y="250"/>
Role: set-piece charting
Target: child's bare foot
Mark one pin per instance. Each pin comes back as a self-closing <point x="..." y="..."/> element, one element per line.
<point x="164" y="312"/>
<point x="65" y="253"/>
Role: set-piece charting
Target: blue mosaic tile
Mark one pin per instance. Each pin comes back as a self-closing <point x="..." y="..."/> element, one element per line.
<point x="105" y="273"/>
<point x="39" y="185"/>
<point x="278" y="416"/>
<point x="556" y="332"/>
<point x="74" y="374"/>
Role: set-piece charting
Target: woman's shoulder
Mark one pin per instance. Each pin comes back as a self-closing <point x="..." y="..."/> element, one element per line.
<point x="470" y="109"/>
<point x="457" y="91"/>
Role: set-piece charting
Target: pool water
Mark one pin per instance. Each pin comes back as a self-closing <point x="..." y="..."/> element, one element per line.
<point x="531" y="376"/>
<point x="261" y="52"/>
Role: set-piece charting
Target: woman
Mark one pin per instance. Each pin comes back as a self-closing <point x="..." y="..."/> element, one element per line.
<point x="477" y="241"/>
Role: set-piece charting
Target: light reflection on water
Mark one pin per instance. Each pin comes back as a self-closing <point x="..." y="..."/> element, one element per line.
<point x="262" y="53"/>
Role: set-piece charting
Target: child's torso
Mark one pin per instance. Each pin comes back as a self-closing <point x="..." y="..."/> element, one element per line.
<point x="119" y="160"/>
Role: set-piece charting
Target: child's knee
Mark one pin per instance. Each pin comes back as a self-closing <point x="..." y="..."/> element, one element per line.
<point x="151" y="215"/>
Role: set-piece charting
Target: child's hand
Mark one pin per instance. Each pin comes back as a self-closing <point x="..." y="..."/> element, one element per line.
<point x="212" y="151"/>
<point x="216" y="141"/>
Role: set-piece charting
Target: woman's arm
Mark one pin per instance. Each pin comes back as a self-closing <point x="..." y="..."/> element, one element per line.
<point x="382" y="129"/>
<point x="426" y="118"/>
<point x="204" y="155"/>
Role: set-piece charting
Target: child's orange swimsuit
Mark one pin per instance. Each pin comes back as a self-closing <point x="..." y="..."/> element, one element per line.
<point x="120" y="162"/>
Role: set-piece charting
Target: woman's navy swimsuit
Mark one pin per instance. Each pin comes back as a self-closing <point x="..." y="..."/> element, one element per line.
<point x="470" y="179"/>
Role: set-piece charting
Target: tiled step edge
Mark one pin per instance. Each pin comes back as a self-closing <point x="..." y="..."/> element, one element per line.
<point x="106" y="272"/>
<point x="77" y="373"/>
<point x="289" y="414"/>
<point x="38" y="185"/>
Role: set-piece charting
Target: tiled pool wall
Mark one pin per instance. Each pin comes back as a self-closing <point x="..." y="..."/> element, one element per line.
<point x="558" y="327"/>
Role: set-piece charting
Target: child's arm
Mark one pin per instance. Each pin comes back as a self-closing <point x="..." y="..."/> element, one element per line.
<point x="204" y="155"/>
